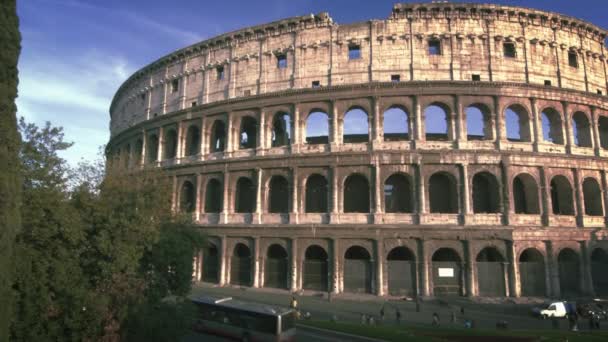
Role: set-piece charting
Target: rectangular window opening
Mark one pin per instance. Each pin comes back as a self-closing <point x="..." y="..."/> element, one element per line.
<point x="434" y="47"/>
<point x="194" y="104"/>
<point x="247" y="92"/>
<point x="599" y="92"/>
<point x="282" y="61"/>
<point x="174" y="86"/>
<point x="476" y="77"/>
<point x="509" y="50"/>
<point x="572" y="59"/>
<point x="316" y="84"/>
<point x="220" y="73"/>
<point x="395" y="78"/>
<point x="548" y="83"/>
<point x="354" y="52"/>
<point x="143" y="97"/>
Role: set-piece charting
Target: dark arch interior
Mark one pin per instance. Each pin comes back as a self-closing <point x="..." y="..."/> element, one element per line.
<point x="531" y="255"/>
<point x="218" y="136"/>
<point x="187" y="197"/>
<point x="443" y="196"/>
<point x="561" y="196"/>
<point x="603" y="131"/>
<point x="170" y="145"/>
<point x="489" y="254"/>
<point x="599" y="255"/>
<point x="445" y="254"/>
<point x="567" y="255"/>
<point x="316" y="194"/>
<point x="139" y="146"/>
<point x="214" y="196"/>
<point x="241" y="251"/>
<point x="592" y="197"/>
<point x="486" y="193"/>
<point x="356" y="194"/>
<point x="245" y="196"/>
<point x="525" y="195"/>
<point x="315" y="252"/>
<point x="248" y="134"/>
<point x="193" y="141"/>
<point x="280" y="130"/>
<point x="397" y="194"/>
<point x="279" y="195"/>
<point x="400" y="253"/>
<point x="152" y="148"/>
<point x="357" y="252"/>
<point x="276" y="252"/>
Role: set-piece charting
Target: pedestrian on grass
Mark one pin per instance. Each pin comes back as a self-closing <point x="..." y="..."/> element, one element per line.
<point x="462" y="310"/>
<point x="435" y="319"/>
<point x="294" y="303"/>
<point x="453" y="318"/>
<point x="382" y="314"/>
<point x="363" y="319"/>
<point x="418" y="304"/>
<point x="398" y="315"/>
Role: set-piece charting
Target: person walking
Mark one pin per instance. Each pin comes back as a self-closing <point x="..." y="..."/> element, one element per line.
<point x="435" y="319"/>
<point x="418" y="304"/>
<point x="294" y="303"/>
<point x="398" y="315"/>
<point x="382" y="313"/>
<point x="453" y="318"/>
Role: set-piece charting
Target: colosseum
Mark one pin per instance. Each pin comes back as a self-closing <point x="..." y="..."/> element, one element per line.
<point x="450" y="149"/>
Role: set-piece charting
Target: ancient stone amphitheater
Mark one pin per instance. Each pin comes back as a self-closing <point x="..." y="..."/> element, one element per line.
<point x="451" y="149"/>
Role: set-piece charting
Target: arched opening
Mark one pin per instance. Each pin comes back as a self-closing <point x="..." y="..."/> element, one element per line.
<point x="126" y="158"/>
<point x="490" y="273"/>
<point x="211" y="261"/>
<point x="396" y="124"/>
<point x="357" y="270"/>
<point x="581" y="130"/>
<point x="552" y="126"/>
<point x="279" y="195"/>
<point x="599" y="265"/>
<point x="248" y="133"/>
<point x="170" y="145"/>
<point x="187" y="197"/>
<point x="317" y="128"/>
<point x="486" y="193"/>
<point x="280" y="130"/>
<point x="603" y="131"/>
<point x="569" y="272"/>
<point x="316" y="194"/>
<point x="245" y="196"/>
<point x="356" y="194"/>
<point x="479" y="123"/>
<point x="355" y="126"/>
<point x="218" y="136"/>
<point x="152" y="148"/>
<point x="315" y="269"/>
<point x="214" y="196"/>
<point x="517" y="121"/>
<point x="397" y="194"/>
<point x="437" y="122"/>
<point x="525" y="194"/>
<point x="401" y="272"/>
<point x="592" y="196"/>
<point x="139" y="146"/>
<point x="193" y="141"/>
<point x="532" y="273"/>
<point x="240" y="266"/>
<point x="275" y="268"/>
<point x="443" y="194"/>
<point x="562" y="202"/>
<point x="447" y="274"/>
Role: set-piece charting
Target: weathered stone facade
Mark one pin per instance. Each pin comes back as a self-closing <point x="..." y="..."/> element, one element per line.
<point x="496" y="213"/>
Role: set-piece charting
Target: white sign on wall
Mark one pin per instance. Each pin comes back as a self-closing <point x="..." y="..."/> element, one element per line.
<point x="446" y="272"/>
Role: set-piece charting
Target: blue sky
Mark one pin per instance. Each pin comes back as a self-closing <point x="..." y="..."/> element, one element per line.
<point x="76" y="53"/>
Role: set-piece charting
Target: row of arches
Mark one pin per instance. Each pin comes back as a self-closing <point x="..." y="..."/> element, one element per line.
<point x="399" y="195"/>
<point x="447" y="270"/>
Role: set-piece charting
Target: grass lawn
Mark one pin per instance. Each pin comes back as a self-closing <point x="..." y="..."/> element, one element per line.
<point x="431" y="334"/>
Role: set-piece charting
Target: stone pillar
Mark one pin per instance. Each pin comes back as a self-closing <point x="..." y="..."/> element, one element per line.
<point x="258" y="196"/>
<point x="552" y="272"/>
<point x="597" y="145"/>
<point x="418" y="135"/>
<point x="377" y="123"/>
<point x="544" y="197"/>
<point x="296" y="130"/>
<point x="144" y="147"/>
<point x="578" y="198"/>
<point x="335" y="206"/>
<point x="257" y="275"/>
<point x="197" y="211"/>
<point x="174" y="198"/>
<point x="224" y="277"/>
<point x="569" y="138"/>
<point x="202" y="150"/>
<point x="295" y="269"/>
<point x="226" y="198"/>
<point x="421" y="182"/>
<point x="461" y="122"/>
<point x="379" y="267"/>
<point x="604" y="185"/>
<point x="514" y="280"/>
<point x="184" y="84"/>
<point x="378" y="189"/>
<point x="261" y="134"/>
<point x="161" y="140"/>
<point x="537" y="136"/>
<point x="229" y="134"/>
<point x="423" y="269"/>
<point x="470" y="269"/>
<point x="499" y="131"/>
<point x="295" y="207"/>
<point x="334" y="137"/>
<point x="336" y="278"/>
<point x="466" y="194"/>
<point x="586" y="279"/>
<point x="179" y="149"/>
<point x="164" y="103"/>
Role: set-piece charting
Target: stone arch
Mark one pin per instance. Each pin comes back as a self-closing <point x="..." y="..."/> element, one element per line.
<point x="278" y="195"/>
<point x="187" y="197"/>
<point x="443" y="193"/>
<point x="218" y="136"/>
<point x="490" y="272"/>
<point x="401" y="274"/>
<point x="245" y="196"/>
<point x="525" y="194"/>
<point x="316" y="194"/>
<point x="532" y="273"/>
<point x="356" y="126"/>
<point x="276" y="267"/>
<point x="193" y="140"/>
<point x="479" y="122"/>
<point x="437" y="122"/>
<point x="486" y="193"/>
<point x="240" y="265"/>
<point x="581" y="130"/>
<point x="317" y="127"/>
<point x="170" y="144"/>
<point x="152" y="148"/>
<point x="569" y="272"/>
<point x="398" y="194"/>
<point x="356" y="194"/>
<point x="248" y="133"/>
<point x="599" y="265"/>
<point x="517" y="123"/>
<point x="316" y="269"/>
<point x="447" y="272"/>
<point x="592" y="197"/>
<point x="551" y="122"/>
<point x="139" y="147"/>
<point x="602" y="127"/>
<point x="562" y="201"/>
<point x="211" y="263"/>
<point x="357" y="270"/>
<point x="214" y="196"/>
<point x="396" y="124"/>
<point x="281" y="124"/>
<point x="126" y="158"/>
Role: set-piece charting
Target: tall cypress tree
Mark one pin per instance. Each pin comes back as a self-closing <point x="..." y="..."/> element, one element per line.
<point x="10" y="186"/>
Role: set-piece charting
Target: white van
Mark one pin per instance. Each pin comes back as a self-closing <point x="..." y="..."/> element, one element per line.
<point x="556" y="309"/>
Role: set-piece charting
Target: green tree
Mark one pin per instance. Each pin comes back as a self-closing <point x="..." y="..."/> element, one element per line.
<point x="10" y="47"/>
